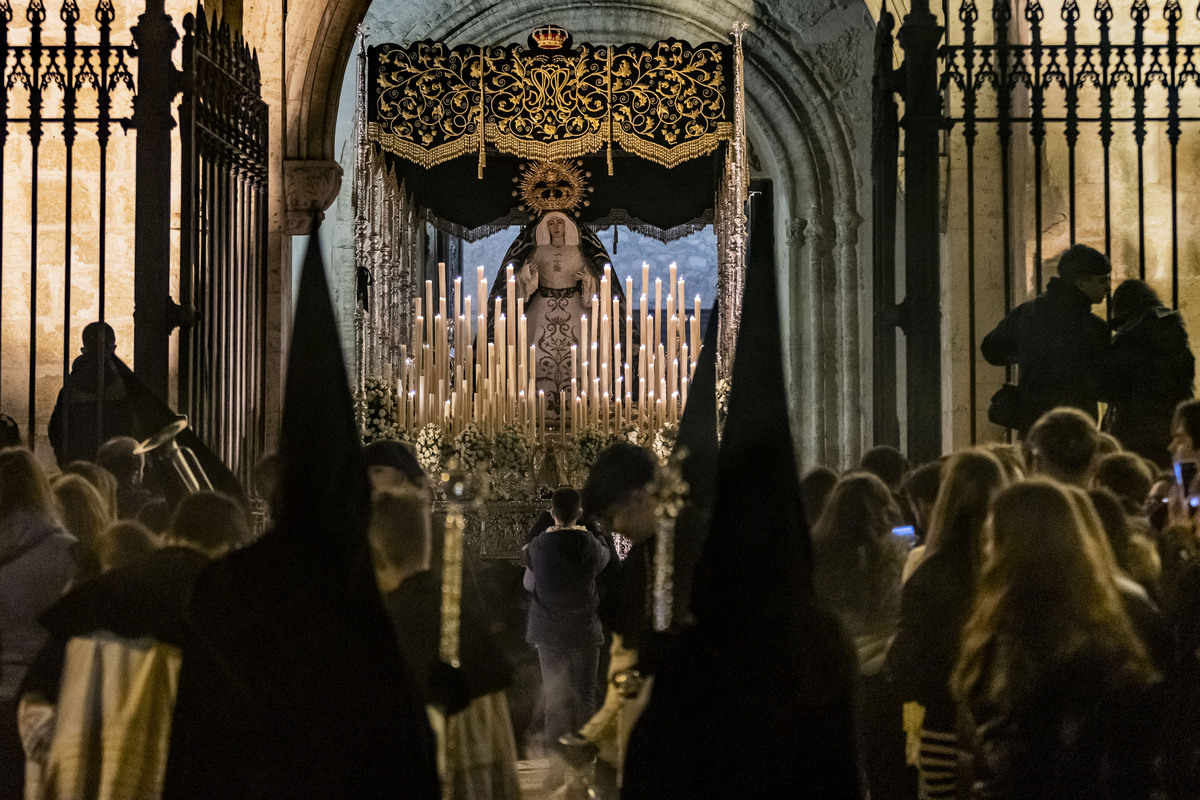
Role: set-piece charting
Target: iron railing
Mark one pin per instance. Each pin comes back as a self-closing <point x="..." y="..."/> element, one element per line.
<point x="223" y="243"/>
<point x="64" y="88"/>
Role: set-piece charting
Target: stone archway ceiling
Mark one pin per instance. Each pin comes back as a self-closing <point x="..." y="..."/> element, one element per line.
<point x="646" y="122"/>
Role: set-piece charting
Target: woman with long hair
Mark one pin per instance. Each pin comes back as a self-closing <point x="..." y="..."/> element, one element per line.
<point x="1059" y="684"/>
<point x="857" y="562"/>
<point x="84" y="515"/>
<point x="935" y="604"/>
<point x="36" y="565"/>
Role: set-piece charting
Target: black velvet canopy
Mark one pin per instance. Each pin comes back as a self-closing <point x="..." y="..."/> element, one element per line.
<point x="646" y="192"/>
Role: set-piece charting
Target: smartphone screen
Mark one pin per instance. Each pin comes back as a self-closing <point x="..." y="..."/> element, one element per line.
<point x="1185" y="475"/>
<point x="906" y="533"/>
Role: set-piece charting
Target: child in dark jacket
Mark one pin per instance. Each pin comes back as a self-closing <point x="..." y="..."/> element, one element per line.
<point x="563" y="563"/>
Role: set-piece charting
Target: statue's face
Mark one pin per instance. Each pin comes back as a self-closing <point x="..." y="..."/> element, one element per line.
<point x="557" y="229"/>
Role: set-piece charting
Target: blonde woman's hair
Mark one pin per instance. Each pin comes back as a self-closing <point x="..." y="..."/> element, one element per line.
<point x="81" y="508"/>
<point x="1010" y="457"/>
<point x="970" y="480"/>
<point x="23" y="484"/>
<point x="1046" y="597"/>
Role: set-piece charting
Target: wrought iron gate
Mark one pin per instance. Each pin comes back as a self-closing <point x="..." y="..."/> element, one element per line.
<point x="223" y="243"/>
<point x="75" y="93"/>
<point x="1062" y="124"/>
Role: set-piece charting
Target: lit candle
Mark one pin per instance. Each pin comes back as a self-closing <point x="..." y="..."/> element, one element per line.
<point x="669" y="321"/>
<point x="542" y="416"/>
<point x="673" y="374"/>
<point x="595" y="318"/>
<point x="645" y="279"/>
<point x="642" y="388"/>
<point x="658" y="307"/>
<point x="594" y="368"/>
<point x="481" y="331"/>
<point x="419" y="333"/>
<point x="466" y="332"/>
<point x="469" y="363"/>
<point x="421" y="403"/>
<point x="512" y="384"/>
<point x="605" y="293"/>
<point x="429" y="311"/>
<point x="458" y="298"/>
<point x="628" y="396"/>
<point x="574" y="404"/>
<point x="562" y="416"/>
<point x="511" y="306"/>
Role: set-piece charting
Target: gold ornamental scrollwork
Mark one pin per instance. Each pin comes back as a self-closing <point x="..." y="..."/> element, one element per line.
<point x="667" y="102"/>
<point x="423" y="101"/>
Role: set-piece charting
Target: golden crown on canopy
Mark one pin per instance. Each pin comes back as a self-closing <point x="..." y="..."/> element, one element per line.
<point x="552" y="186"/>
<point x="550" y="37"/>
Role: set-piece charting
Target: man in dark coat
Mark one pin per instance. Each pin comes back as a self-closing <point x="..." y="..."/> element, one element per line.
<point x="1148" y="371"/>
<point x="1056" y="340"/>
<point x="76" y="432"/>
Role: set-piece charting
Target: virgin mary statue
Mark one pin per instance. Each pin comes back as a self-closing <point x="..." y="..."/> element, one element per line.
<point x="557" y="266"/>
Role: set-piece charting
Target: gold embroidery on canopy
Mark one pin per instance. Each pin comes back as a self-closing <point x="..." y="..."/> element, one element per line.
<point x="665" y="102"/>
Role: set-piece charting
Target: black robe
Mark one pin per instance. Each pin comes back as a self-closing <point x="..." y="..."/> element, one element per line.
<point x="294" y="689"/>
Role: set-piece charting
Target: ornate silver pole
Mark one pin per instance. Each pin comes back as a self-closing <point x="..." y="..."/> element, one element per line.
<point x="731" y="218"/>
<point x="360" y="197"/>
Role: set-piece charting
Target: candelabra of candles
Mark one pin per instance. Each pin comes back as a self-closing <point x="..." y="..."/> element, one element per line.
<point x="453" y="376"/>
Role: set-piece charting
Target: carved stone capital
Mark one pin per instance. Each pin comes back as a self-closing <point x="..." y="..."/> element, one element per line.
<point x="816" y="232"/>
<point x="795" y="231"/>
<point x="308" y="187"/>
<point x="847" y="221"/>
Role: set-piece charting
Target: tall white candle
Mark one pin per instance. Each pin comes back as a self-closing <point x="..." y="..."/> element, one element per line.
<point x="658" y="308"/>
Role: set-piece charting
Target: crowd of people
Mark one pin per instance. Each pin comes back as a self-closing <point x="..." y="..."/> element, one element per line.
<point x="1040" y="638"/>
<point x="1011" y="621"/>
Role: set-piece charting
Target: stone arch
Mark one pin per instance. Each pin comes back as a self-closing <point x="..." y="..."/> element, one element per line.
<point x="796" y="117"/>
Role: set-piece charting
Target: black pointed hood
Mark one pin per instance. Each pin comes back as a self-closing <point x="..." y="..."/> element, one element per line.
<point x="324" y="497"/>
<point x="753" y="595"/>
<point x="698" y="437"/>
<point x="762" y="681"/>
<point x="698" y="426"/>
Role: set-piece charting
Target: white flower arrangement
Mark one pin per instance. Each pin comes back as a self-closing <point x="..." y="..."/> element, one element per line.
<point x="379" y="420"/>
<point x="664" y="441"/>
<point x="431" y="449"/>
<point x="584" y="450"/>
<point x="512" y="462"/>
<point x="472" y="447"/>
<point x="512" y="449"/>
